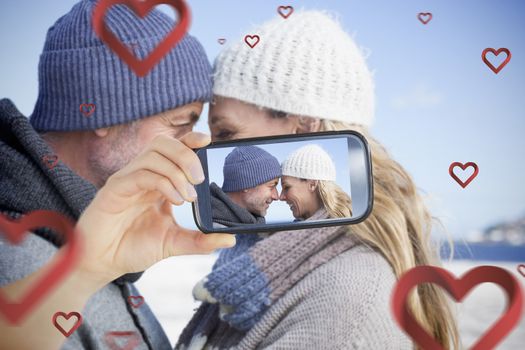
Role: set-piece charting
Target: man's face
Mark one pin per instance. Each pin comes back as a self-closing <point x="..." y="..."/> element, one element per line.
<point x="124" y="142"/>
<point x="257" y="200"/>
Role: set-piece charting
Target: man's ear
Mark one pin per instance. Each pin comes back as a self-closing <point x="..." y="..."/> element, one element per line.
<point x="308" y="124"/>
<point x="103" y="132"/>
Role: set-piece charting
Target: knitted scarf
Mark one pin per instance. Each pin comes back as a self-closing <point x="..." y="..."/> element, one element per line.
<point x="249" y="278"/>
<point x="226" y="213"/>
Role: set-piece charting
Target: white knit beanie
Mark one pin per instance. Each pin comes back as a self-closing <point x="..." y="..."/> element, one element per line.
<point x="304" y="65"/>
<point x="310" y="162"/>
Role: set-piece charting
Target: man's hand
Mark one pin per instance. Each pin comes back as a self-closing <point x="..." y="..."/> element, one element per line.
<point x="129" y="225"/>
<point x="127" y="228"/>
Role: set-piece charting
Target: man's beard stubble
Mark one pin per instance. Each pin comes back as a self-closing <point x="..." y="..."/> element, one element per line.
<point x="256" y="205"/>
<point x="114" y="153"/>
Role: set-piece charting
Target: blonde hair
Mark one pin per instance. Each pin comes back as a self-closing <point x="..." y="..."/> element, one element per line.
<point x="399" y="228"/>
<point x="336" y="202"/>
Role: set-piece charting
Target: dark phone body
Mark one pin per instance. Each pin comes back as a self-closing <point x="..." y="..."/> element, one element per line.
<point x="202" y="208"/>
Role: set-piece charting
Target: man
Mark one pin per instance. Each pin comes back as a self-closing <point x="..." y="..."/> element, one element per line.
<point x="111" y="151"/>
<point x="251" y="176"/>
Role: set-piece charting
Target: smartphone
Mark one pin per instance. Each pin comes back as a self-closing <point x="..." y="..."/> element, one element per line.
<point x="284" y="182"/>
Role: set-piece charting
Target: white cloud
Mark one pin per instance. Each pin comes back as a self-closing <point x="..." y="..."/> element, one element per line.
<point x="420" y="96"/>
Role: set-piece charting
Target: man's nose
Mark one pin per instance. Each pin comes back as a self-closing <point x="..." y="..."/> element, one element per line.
<point x="275" y="194"/>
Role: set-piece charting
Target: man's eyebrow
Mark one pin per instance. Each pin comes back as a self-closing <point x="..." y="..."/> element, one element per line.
<point x="175" y="119"/>
<point x="194" y="117"/>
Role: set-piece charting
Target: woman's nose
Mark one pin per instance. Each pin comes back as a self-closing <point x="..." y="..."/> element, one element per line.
<point x="282" y="196"/>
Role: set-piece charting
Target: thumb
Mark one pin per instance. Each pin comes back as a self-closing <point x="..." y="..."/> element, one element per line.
<point x="187" y="242"/>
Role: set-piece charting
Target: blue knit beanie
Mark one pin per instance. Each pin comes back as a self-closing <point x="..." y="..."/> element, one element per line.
<point x="247" y="167"/>
<point x="77" y="69"/>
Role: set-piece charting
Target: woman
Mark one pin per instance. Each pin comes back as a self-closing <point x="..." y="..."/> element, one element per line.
<point x="325" y="288"/>
<point x="308" y="185"/>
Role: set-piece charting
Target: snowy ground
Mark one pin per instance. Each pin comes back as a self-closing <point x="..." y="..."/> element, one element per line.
<point x="167" y="288"/>
<point x="484" y="305"/>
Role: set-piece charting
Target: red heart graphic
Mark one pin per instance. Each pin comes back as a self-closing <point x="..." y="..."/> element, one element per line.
<point x="133" y="341"/>
<point x="142" y="8"/>
<point x="56" y="271"/>
<point x="132" y="300"/>
<point x="458" y="289"/>
<point x="424" y="17"/>
<point x="67" y="317"/>
<point x="51" y="160"/>
<point x="285" y="11"/>
<point x="463" y="167"/>
<point x="521" y="269"/>
<point x="87" y="109"/>
<point x="221" y="41"/>
<point x="251" y="40"/>
<point x="496" y="53"/>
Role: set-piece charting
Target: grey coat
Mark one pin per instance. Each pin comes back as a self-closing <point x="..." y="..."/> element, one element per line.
<point x="27" y="184"/>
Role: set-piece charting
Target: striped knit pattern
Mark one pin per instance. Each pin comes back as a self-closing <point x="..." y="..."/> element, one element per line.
<point x="247" y="167"/>
<point x="243" y="285"/>
<point x="77" y="68"/>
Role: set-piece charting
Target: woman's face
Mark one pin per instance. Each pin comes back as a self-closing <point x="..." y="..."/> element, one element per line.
<point x="231" y="119"/>
<point x="300" y="195"/>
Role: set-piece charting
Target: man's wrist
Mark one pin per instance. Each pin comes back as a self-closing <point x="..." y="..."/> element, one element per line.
<point x="89" y="281"/>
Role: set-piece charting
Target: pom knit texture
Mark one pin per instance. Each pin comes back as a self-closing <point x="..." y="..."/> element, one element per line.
<point x="310" y="162"/>
<point x="314" y="70"/>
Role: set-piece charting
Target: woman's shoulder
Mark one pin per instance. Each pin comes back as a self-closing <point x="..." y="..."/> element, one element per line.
<point x="344" y="303"/>
<point x="355" y="269"/>
<point x="358" y="279"/>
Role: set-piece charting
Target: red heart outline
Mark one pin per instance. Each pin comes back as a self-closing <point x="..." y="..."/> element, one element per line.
<point x="281" y="8"/>
<point x="131" y="299"/>
<point x="91" y="109"/>
<point x="521" y="269"/>
<point x="221" y="41"/>
<point x="130" y="345"/>
<point x="67" y="317"/>
<point x="141" y="8"/>
<point x="61" y="265"/>
<point x="424" y="14"/>
<point x="53" y="158"/>
<point x="458" y="289"/>
<point x="252" y="37"/>
<point x="496" y="53"/>
<point x="463" y="167"/>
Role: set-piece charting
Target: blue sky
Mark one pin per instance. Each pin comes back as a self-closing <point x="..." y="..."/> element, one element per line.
<point x="437" y="102"/>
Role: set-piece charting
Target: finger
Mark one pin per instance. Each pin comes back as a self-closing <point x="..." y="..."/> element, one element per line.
<point x="114" y="196"/>
<point x="187" y="242"/>
<point x="195" y="139"/>
<point x="157" y="163"/>
<point x="180" y="154"/>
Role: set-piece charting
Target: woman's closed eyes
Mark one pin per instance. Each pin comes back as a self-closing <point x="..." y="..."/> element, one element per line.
<point x="223" y="134"/>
